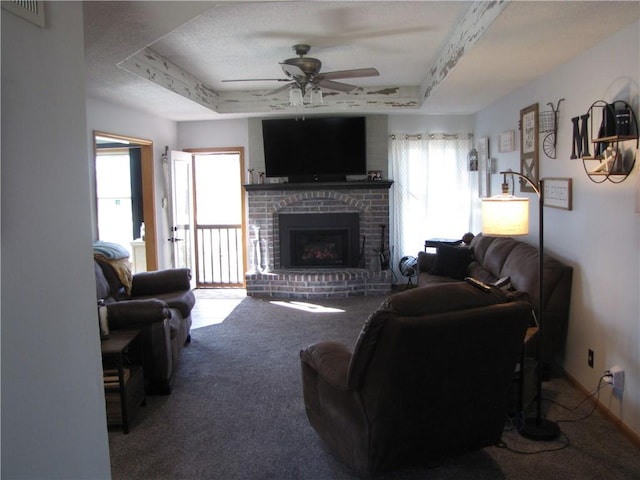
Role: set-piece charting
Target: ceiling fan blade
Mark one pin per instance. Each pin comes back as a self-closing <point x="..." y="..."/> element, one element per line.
<point x="339" y="86"/>
<point x="292" y="70"/>
<point x="258" y="80"/>
<point x="355" y="73"/>
<point x="277" y="90"/>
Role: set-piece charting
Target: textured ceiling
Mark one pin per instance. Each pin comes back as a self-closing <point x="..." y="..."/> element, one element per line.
<point x="433" y="57"/>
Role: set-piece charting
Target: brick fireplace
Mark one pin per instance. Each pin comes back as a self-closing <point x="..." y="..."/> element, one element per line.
<point x="322" y="215"/>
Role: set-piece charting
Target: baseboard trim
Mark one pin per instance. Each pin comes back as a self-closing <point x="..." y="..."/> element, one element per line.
<point x="615" y="421"/>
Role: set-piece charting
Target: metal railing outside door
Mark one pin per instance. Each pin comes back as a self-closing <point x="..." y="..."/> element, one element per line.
<point x="219" y="256"/>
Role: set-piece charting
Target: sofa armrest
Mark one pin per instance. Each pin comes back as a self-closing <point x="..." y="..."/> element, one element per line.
<point x="136" y="313"/>
<point x="330" y="360"/>
<point x="161" y="281"/>
<point x="425" y="261"/>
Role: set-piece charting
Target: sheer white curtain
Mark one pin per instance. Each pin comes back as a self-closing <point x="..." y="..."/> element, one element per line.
<point x="433" y="191"/>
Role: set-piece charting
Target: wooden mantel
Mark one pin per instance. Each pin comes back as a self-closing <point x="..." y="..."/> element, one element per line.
<point x="349" y="185"/>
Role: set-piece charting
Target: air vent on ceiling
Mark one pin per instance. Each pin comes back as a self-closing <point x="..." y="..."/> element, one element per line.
<point x="29" y="10"/>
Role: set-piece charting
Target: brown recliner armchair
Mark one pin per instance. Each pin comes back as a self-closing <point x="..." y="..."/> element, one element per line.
<point x="158" y="304"/>
<point x="428" y="378"/>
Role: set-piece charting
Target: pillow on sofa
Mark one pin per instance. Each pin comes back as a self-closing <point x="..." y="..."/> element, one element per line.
<point x="452" y="261"/>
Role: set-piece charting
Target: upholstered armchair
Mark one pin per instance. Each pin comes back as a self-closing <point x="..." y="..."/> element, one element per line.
<point x="427" y="379"/>
<point x="158" y="304"/>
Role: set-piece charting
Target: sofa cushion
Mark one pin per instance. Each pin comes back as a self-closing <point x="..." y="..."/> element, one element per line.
<point x="476" y="270"/>
<point x="479" y="245"/>
<point x="452" y="261"/>
<point x="427" y="278"/>
<point x="161" y="281"/>
<point x="498" y="253"/>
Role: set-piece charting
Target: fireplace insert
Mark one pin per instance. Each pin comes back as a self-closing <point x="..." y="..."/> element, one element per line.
<point x="319" y="240"/>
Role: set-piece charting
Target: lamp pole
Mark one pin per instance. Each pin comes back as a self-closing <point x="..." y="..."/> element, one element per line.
<point x="538" y="428"/>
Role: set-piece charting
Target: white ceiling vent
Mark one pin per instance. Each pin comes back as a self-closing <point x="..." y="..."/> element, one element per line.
<point x="30" y="10"/>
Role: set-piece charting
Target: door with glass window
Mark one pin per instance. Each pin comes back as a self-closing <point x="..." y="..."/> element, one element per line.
<point x="182" y="229"/>
<point x="219" y="237"/>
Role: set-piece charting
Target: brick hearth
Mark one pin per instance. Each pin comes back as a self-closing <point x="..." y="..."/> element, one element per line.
<point x="267" y="201"/>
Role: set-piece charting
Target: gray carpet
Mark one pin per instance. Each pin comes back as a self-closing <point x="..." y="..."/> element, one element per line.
<point x="236" y="412"/>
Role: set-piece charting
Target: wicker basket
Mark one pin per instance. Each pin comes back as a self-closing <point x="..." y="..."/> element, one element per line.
<point x="547" y="122"/>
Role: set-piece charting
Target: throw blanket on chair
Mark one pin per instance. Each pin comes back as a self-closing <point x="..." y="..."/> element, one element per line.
<point x="118" y="257"/>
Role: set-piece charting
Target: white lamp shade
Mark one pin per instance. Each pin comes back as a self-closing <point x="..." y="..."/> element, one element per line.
<point x="505" y="215"/>
<point x="316" y="95"/>
<point x="295" y="96"/>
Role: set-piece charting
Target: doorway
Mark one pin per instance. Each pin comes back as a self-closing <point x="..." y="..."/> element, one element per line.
<point x="124" y="196"/>
<point x="219" y="217"/>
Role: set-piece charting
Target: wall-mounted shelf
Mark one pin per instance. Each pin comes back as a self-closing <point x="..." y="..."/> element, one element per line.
<point x="614" y="142"/>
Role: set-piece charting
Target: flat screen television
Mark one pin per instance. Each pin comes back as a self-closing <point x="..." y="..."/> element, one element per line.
<point x="315" y="149"/>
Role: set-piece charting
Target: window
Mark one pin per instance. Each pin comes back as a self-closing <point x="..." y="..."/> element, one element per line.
<point x="433" y="192"/>
<point x="113" y="192"/>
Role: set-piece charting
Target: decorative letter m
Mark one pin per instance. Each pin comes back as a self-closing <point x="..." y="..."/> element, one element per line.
<point x="580" y="138"/>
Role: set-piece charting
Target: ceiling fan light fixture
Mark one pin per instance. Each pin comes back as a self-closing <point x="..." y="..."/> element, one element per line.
<point x="303" y="74"/>
<point x="316" y="95"/>
<point x="295" y="96"/>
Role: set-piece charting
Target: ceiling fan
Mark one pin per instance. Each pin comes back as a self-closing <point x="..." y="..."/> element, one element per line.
<point x="304" y="72"/>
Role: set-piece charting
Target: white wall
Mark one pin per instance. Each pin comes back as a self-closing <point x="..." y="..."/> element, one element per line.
<point x="120" y="120"/>
<point x="214" y="134"/>
<point x="415" y="124"/>
<point x="600" y="236"/>
<point x="53" y="414"/>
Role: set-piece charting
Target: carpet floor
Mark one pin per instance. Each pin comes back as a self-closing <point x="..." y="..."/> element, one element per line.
<point x="236" y="410"/>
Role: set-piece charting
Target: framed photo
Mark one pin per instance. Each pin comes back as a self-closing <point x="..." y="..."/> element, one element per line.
<point x="484" y="172"/>
<point x="557" y="193"/>
<point x="529" y="135"/>
<point x="507" y="141"/>
<point x="374" y="175"/>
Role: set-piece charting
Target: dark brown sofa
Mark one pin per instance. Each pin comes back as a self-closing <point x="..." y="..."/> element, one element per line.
<point x="427" y="379"/>
<point x="490" y="259"/>
<point x="159" y="304"/>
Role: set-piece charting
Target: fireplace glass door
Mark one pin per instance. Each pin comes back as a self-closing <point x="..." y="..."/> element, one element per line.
<point x="319" y="240"/>
<point x="314" y="248"/>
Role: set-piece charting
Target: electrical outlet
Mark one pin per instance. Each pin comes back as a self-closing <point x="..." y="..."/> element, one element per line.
<point x="617" y="380"/>
<point x="590" y="358"/>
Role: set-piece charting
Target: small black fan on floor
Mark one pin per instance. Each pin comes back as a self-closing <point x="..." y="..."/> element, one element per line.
<point x="408" y="268"/>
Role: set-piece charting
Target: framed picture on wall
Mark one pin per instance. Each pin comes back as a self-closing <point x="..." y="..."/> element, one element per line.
<point x="507" y="141"/>
<point x="529" y="134"/>
<point x="558" y="193"/>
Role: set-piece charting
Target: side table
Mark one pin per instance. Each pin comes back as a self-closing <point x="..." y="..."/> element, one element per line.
<point x="432" y="243"/>
<point x="123" y="376"/>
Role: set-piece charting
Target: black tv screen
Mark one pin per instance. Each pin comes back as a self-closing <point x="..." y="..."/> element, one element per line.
<point x="315" y="149"/>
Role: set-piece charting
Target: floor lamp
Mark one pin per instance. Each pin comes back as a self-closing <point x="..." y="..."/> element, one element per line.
<point x="507" y="215"/>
